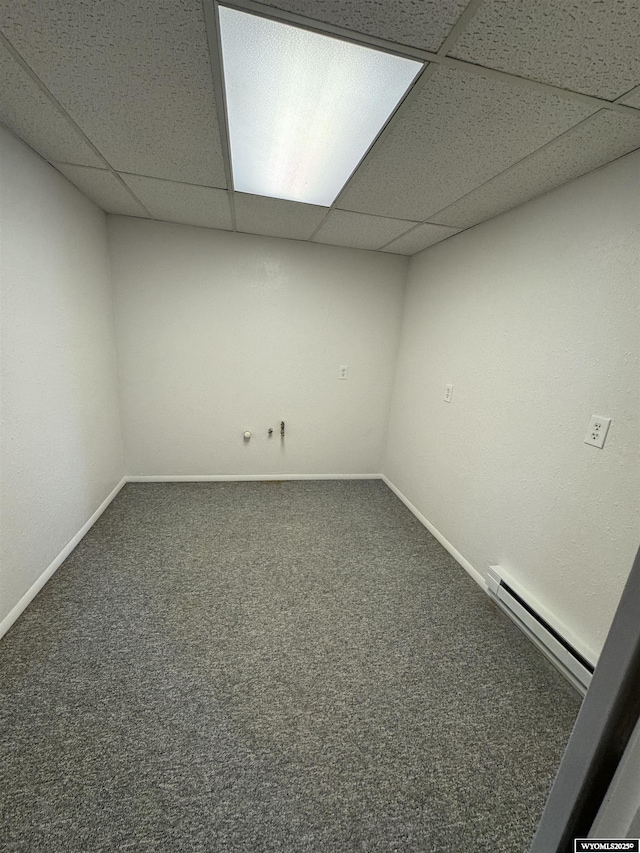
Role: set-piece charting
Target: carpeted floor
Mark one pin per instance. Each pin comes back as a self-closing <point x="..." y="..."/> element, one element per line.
<point x="261" y="667"/>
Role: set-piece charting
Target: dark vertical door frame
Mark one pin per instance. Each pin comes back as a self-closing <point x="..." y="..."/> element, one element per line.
<point x="609" y="713"/>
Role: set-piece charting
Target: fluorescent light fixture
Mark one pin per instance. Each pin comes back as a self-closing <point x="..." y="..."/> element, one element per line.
<point x="303" y="108"/>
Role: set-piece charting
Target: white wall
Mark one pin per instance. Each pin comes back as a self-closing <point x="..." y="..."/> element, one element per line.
<point x="219" y="333"/>
<point x="61" y="451"/>
<point x="533" y="317"/>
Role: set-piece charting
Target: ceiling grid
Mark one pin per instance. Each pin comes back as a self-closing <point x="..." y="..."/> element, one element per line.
<point x="217" y="74"/>
<point x="517" y="98"/>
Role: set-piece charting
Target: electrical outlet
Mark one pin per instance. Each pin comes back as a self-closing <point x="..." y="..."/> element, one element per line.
<point x="448" y="393"/>
<point x="343" y="372"/>
<point x="597" y="432"/>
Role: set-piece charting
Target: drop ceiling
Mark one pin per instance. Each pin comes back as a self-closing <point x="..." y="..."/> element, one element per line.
<point x="516" y="97"/>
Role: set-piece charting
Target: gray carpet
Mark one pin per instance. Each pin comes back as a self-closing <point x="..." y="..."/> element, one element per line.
<point x="291" y="666"/>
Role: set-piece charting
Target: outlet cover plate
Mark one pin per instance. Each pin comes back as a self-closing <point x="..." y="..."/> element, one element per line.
<point x="597" y="432"/>
<point x="448" y="393"/>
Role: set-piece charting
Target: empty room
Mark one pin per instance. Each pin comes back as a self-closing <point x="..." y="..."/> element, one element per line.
<point x="319" y="424"/>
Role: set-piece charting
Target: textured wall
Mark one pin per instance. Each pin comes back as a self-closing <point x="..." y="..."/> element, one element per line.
<point x="220" y="333"/>
<point x="61" y="451"/>
<point x="533" y="317"/>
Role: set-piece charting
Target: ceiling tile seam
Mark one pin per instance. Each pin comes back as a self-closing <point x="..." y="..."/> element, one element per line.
<point x="398" y="236"/>
<point x="232" y="209"/>
<point x="460" y="25"/>
<point x="342" y="246"/>
<point x="109" y="171"/>
<point x="411" y="230"/>
<point x="311" y="238"/>
<point x="67" y="117"/>
<point x="132" y="194"/>
<point x="633" y="91"/>
<point x="376" y="215"/>
<point x="54" y="165"/>
<point x="278" y="237"/>
<point x="420" y="81"/>
<point x="457" y="233"/>
<point x="126" y="174"/>
<point x="623" y="108"/>
<point x="379" y="247"/>
<point x="528" y="82"/>
<point x="326" y="28"/>
<point x="542" y="194"/>
<point x="183" y="224"/>
<point x="360" y="213"/>
<point x="212" y="26"/>
<point x="512" y="167"/>
<point x="407" y="232"/>
<point x="415" y="53"/>
<point x="413" y="221"/>
<point x="168" y="180"/>
<point x="50" y="96"/>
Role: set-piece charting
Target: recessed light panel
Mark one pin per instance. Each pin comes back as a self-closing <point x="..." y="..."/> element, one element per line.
<point x="303" y="108"/>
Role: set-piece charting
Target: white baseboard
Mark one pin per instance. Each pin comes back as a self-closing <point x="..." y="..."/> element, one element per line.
<point x="31" y="593"/>
<point x="466" y="565"/>
<point x="230" y="478"/>
<point x="28" y="597"/>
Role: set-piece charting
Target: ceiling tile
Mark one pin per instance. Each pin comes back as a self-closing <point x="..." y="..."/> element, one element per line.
<point x="633" y="99"/>
<point x="587" y="46"/>
<point x="135" y="76"/>
<point x="420" y="238"/>
<point x="425" y="24"/>
<point x="33" y="116"/>
<point x="359" y="231"/>
<point x="104" y="188"/>
<point x="598" y="140"/>
<point x="275" y="217"/>
<point x="184" y="203"/>
<point x="458" y="131"/>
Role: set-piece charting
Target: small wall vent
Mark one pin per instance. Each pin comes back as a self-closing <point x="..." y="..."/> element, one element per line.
<point x="564" y="656"/>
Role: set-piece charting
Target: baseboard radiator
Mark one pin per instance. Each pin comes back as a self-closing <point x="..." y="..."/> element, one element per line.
<point x="574" y="666"/>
